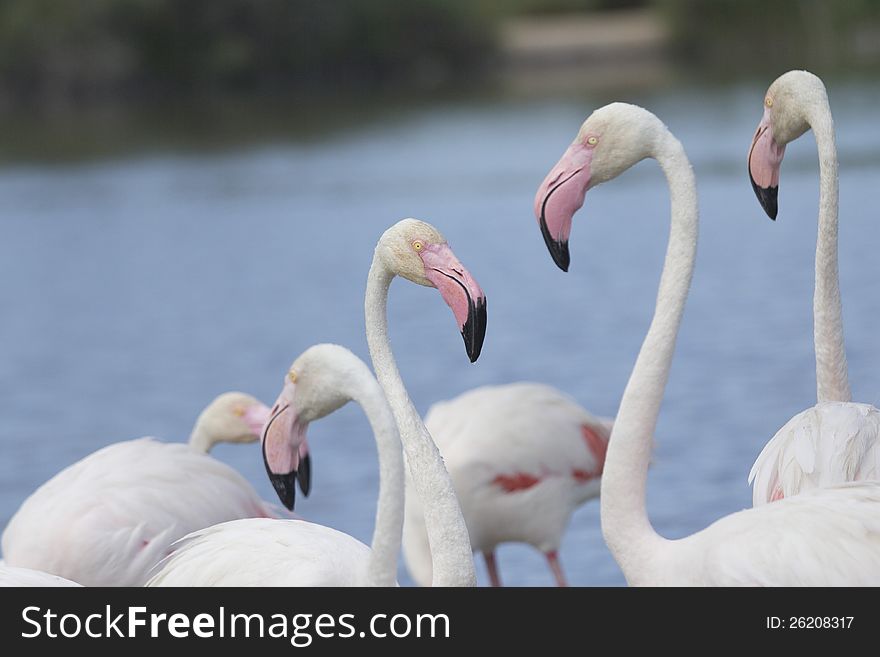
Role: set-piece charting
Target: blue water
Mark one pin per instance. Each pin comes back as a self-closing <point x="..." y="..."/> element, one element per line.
<point x="136" y="289"/>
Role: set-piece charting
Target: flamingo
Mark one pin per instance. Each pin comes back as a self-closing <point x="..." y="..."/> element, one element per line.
<point x="298" y="553"/>
<point x="837" y="440"/>
<point x="11" y="576"/>
<point x="522" y="458"/>
<point x="417" y="251"/>
<point x="825" y="536"/>
<point x="295" y="552"/>
<point x="108" y="518"/>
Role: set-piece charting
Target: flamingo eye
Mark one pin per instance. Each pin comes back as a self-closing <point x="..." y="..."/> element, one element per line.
<point x="418" y="245"/>
<point x="592" y="141"/>
<point x="291" y="376"/>
<point x="238" y="411"/>
<point x="768" y="101"/>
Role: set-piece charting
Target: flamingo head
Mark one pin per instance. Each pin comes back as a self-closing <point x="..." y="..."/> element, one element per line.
<point x="611" y="140"/>
<point x="416" y="251"/>
<point x="786" y="117"/>
<point x="314" y="386"/>
<point x="233" y="417"/>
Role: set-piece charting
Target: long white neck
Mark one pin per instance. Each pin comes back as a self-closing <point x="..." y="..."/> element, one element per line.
<point x="451" y="554"/>
<point x="387" y="533"/>
<point x="202" y="439"/>
<point x="832" y="382"/>
<point x="625" y="525"/>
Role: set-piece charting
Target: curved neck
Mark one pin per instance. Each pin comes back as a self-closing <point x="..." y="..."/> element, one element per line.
<point x="388" y="531"/>
<point x="201" y="439"/>
<point x="453" y="563"/>
<point x="625" y="525"/>
<point x="832" y="382"/>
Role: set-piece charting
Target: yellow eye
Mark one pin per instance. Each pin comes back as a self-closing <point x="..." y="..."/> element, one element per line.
<point x="291" y="375"/>
<point x="592" y="141"/>
<point x="768" y="101"/>
<point x="418" y="245"/>
<point x="238" y="411"/>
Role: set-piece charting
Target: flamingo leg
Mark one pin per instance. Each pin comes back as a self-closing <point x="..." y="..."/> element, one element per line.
<point x="556" y="567"/>
<point x="492" y="567"/>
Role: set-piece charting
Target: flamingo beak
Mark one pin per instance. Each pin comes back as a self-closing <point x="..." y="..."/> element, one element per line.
<point x="559" y="197"/>
<point x="283" y="437"/>
<point x="255" y="417"/>
<point x="304" y="471"/>
<point x="765" y="159"/>
<point x="460" y="292"/>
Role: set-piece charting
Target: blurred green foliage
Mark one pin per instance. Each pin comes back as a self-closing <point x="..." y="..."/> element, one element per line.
<point x="736" y="36"/>
<point x="531" y="7"/>
<point x="66" y="51"/>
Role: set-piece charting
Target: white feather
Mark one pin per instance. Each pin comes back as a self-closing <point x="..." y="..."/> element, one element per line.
<point x="506" y="430"/>
<point x="16" y="577"/>
<point x="265" y="552"/>
<point x="822" y="537"/>
<point x="830" y="443"/>
<point x="108" y="518"/>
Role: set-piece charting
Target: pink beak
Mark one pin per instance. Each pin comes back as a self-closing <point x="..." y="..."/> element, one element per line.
<point x="765" y="158"/>
<point x="460" y="292"/>
<point x="559" y="197"/>
<point x="256" y="416"/>
<point x="284" y="441"/>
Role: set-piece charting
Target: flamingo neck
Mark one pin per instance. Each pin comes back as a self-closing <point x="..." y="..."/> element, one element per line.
<point x="388" y="530"/>
<point x="202" y="439"/>
<point x="832" y="382"/>
<point x="451" y="554"/>
<point x="625" y="524"/>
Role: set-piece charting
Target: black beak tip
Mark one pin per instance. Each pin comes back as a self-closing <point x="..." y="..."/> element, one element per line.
<point x="304" y="474"/>
<point x="558" y="249"/>
<point x="285" y="486"/>
<point x="768" y="197"/>
<point x="561" y="255"/>
<point x="474" y="329"/>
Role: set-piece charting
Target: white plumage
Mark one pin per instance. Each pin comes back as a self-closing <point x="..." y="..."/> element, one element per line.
<point x="822" y="537"/>
<point x="522" y="458"/>
<point x="266" y="552"/>
<point x="830" y="443"/>
<point x="17" y="577"/>
<point x="109" y="518"/>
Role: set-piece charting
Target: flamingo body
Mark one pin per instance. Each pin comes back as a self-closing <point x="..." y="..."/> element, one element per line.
<point x="11" y="576"/>
<point x="108" y="518"/>
<point x="266" y="552"/>
<point x="830" y="443"/>
<point x="522" y="457"/>
<point x="821" y="537"/>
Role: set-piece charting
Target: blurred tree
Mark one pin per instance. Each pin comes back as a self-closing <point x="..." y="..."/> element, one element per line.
<point x="734" y="36"/>
<point x="60" y="52"/>
<point x="516" y="7"/>
<point x="66" y="52"/>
